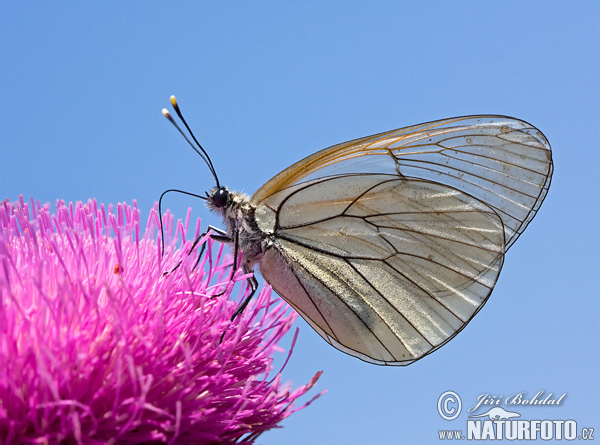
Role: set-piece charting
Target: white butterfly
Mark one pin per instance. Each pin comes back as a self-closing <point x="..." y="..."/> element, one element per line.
<point x="388" y="245"/>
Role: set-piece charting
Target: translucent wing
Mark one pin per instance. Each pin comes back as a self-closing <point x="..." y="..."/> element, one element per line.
<point x="501" y="161"/>
<point x="384" y="267"/>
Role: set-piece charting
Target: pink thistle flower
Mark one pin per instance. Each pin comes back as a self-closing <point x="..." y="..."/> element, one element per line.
<point x="97" y="345"/>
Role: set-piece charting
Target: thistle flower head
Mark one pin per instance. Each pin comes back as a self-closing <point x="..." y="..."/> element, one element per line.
<point x="98" y="344"/>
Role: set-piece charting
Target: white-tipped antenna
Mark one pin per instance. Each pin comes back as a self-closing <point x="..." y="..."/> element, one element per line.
<point x="197" y="148"/>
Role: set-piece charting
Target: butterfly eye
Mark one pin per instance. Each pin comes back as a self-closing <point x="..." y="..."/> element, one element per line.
<point x="220" y="197"/>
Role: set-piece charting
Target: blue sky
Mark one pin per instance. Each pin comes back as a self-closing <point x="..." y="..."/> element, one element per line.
<point x="265" y="84"/>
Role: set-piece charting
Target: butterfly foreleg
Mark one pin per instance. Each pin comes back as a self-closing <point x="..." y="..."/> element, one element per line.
<point x="219" y="235"/>
<point x="224" y="237"/>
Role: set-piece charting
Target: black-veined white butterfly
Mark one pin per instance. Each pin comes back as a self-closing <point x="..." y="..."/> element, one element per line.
<point x="388" y="245"/>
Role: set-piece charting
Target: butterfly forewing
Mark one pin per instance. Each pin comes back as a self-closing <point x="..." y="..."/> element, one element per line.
<point x="503" y="162"/>
<point x="384" y="267"/>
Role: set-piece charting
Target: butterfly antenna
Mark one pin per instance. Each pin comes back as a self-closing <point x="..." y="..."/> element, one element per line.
<point x="162" y="230"/>
<point x="197" y="148"/>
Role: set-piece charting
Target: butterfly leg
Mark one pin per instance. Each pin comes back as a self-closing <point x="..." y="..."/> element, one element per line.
<point x="219" y="235"/>
<point x="253" y="282"/>
<point x="236" y="250"/>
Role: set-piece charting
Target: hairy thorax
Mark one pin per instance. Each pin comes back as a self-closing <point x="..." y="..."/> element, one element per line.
<point x="238" y="216"/>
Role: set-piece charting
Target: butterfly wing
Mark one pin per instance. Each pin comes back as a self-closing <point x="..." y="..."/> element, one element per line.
<point x="383" y="267"/>
<point x="504" y="162"/>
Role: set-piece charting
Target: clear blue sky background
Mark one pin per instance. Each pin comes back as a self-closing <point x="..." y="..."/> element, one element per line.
<point x="265" y="84"/>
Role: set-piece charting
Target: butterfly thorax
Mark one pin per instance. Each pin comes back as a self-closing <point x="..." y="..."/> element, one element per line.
<point x="238" y="216"/>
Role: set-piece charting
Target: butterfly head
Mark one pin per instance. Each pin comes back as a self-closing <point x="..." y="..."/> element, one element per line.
<point x="218" y="198"/>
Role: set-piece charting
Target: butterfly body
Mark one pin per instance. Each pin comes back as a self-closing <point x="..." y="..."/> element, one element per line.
<point x="390" y="244"/>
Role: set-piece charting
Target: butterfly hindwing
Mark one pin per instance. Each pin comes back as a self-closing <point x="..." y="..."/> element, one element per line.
<point x="414" y="262"/>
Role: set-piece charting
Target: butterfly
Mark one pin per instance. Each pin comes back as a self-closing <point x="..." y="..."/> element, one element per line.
<point x="390" y="244"/>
